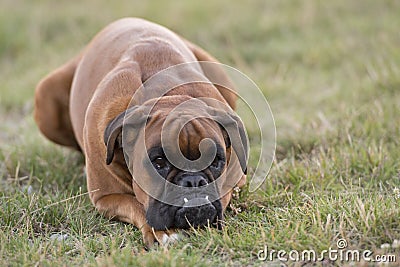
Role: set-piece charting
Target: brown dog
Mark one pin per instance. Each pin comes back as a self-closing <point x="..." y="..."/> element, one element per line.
<point x="83" y="105"/>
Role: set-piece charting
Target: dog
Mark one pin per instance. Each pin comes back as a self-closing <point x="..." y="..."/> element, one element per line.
<point x="86" y="104"/>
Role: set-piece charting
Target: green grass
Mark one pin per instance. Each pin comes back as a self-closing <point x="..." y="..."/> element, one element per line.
<point x="331" y="73"/>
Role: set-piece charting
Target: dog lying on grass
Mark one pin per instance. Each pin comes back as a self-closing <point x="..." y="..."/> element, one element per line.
<point x="87" y="104"/>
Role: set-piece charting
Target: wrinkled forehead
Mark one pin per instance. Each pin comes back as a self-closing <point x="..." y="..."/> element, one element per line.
<point x="183" y="132"/>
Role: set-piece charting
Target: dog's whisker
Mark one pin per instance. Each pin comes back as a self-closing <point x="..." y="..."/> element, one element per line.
<point x="64" y="200"/>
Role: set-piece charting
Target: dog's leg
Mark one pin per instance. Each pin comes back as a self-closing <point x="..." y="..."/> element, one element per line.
<point x="112" y="195"/>
<point x="126" y="208"/>
<point x="52" y="105"/>
<point x="214" y="73"/>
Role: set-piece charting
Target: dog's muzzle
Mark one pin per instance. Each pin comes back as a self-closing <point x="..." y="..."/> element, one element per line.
<point x="197" y="210"/>
<point x="196" y="205"/>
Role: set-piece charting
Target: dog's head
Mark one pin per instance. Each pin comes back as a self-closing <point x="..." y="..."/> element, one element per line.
<point x="185" y="156"/>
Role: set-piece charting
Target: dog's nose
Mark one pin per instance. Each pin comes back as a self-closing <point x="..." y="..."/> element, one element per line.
<point x="192" y="181"/>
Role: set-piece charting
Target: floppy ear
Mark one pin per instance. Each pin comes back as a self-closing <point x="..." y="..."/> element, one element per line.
<point x="234" y="134"/>
<point x="113" y="136"/>
<point x="228" y="142"/>
<point x="132" y="117"/>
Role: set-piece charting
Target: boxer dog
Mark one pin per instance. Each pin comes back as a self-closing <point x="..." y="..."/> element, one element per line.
<point x="92" y="104"/>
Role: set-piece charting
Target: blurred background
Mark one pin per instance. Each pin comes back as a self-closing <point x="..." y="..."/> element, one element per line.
<point x="311" y="58"/>
<point x="303" y="54"/>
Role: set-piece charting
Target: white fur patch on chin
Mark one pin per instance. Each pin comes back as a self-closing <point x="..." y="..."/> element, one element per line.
<point x="169" y="239"/>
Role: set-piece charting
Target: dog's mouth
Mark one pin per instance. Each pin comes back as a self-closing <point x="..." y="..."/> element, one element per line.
<point x="195" y="211"/>
<point x="185" y="202"/>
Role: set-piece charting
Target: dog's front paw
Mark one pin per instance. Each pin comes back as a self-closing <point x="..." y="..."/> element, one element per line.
<point x="164" y="238"/>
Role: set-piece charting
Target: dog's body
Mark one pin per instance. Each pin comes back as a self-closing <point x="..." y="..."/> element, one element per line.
<point x="80" y="105"/>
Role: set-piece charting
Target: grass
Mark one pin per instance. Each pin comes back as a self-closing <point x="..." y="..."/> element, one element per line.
<point x="331" y="73"/>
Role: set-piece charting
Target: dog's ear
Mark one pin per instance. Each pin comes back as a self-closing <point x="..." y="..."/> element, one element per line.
<point x="228" y="142"/>
<point x="234" y="134"/>
<point x="133" y="117"/>
<point x="113" y="136"/>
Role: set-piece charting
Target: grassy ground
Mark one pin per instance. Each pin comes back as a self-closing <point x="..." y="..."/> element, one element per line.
<point x="331" y="72"/>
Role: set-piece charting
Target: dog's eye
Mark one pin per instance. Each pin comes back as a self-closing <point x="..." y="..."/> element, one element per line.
<point x="216" y="162"/>
<point x="159" y="163"/>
